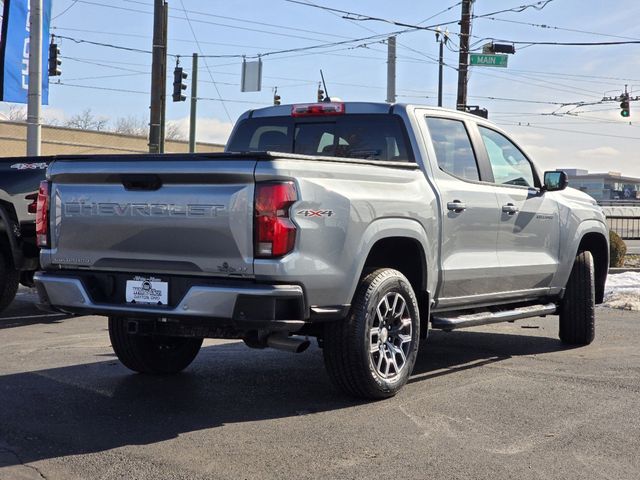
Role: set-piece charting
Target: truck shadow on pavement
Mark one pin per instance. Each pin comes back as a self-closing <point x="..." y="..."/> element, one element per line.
<point x="94" y="407"/>
<point x="22" y="312"/>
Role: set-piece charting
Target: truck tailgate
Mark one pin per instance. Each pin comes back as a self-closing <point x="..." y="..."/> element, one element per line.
<point x="151" y="215"/>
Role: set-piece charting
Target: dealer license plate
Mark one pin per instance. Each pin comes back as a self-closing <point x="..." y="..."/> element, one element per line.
<point x="147" y="290"/>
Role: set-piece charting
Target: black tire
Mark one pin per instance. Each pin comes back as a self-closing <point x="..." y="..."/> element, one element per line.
<point x="9" y="280"/>
<point x="349" y="348"/>
<point x="577" y="309"/>
<point x="156" y="354"/>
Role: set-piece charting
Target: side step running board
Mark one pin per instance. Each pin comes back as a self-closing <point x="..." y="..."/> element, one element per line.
<point x="471" y="320"/>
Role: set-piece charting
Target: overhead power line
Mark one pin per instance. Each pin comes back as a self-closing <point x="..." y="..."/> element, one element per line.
<point x="364" y="17"/>
<point x="439" y="13"/>
<point x="141" y="92"/>
<point x="372" y="39"/>
<point x="565" y="44"/>
<point x="207" y="22"/>
<point x="582" y="132"/>
<point x="195" y="37"/>
<point x="102" y="44"/>
<point x="73" y="4"/>
<point x="552" y="27"/>
<point x="245" y="20"/>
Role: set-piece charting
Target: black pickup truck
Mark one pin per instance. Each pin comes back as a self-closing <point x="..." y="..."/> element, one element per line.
<point x="19" y="182"/>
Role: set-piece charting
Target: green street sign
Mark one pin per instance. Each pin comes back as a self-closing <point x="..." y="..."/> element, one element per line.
<point x="488" y="60"/>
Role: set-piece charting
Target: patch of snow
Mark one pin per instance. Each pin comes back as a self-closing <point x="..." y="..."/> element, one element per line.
<point x="622" y="291"/>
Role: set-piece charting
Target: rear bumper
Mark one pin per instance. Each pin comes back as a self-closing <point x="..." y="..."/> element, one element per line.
<point x="245" y="306"/>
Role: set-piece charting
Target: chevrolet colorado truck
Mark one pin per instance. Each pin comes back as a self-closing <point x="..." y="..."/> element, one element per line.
<point x="359" y="224"/>
<point x="19" y="181"/>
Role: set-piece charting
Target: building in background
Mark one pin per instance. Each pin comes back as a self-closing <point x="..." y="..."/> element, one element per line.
<point x="72" y="141"/>
<point x="604" y="186"/>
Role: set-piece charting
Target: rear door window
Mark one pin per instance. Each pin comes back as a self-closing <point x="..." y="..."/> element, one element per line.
<point x="452" y="145"/>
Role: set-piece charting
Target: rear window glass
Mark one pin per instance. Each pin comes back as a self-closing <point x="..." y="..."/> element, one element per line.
<point x="371" y="137"/>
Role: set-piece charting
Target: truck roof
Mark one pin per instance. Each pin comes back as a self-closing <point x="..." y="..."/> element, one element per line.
<point x="353" y="108"/>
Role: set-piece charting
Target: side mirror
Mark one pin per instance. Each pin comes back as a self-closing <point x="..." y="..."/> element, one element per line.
<point x="554" y="181"/>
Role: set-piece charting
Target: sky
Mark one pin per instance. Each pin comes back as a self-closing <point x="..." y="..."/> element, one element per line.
<point x="524" y="99"/>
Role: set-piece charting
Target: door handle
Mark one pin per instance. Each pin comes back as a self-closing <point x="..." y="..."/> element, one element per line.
<point x="456" y="206"/>
<point x="510" y="208"/>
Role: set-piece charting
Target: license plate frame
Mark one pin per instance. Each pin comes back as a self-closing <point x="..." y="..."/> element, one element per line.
<point x="147" y="291"/>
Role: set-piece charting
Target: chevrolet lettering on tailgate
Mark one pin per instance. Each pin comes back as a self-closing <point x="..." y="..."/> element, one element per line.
<point x="110" y="209"/>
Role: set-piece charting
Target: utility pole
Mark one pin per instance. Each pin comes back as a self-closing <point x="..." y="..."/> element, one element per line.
<point x="391" y="70"/>
<point x="34" y="95"/>
<point x="441" y="38"/>
<point x="194" y="103"/>
<point x="158" y="76"/>
<point x="163" y="94"/>
<point x="463" y="62"/>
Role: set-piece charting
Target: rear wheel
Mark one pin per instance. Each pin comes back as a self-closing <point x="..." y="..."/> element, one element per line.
<point x="9" y="280"/>
<point x="151" y="353"/>
<point x="577" y="310"/>
<point x="371" y="353"/>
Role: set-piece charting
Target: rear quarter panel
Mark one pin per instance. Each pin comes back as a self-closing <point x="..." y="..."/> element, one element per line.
<point x="344" y="208"/>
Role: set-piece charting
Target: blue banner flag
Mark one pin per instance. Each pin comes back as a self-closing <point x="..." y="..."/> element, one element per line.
<point x="14" y="51"/>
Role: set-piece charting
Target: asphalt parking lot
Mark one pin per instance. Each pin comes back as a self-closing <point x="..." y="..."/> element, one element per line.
<point x="498" y="402"/>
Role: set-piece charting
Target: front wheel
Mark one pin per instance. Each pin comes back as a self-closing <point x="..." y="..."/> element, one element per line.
<point x="157" y="354"/>
<point x="371" y="353"/>
<point x="577" y="310"/>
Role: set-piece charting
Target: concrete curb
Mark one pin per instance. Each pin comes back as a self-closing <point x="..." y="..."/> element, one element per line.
<point x="624" y="269"/>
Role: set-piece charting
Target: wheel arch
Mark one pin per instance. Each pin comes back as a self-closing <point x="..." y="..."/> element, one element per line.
<point x="401" y="244"/>
<point x="598" y="245"/>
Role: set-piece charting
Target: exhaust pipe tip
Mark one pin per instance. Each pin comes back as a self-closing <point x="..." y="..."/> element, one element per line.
<point x="288" y="344"/>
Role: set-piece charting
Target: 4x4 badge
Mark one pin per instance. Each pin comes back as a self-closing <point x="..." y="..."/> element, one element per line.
<point x="315" y="213"/>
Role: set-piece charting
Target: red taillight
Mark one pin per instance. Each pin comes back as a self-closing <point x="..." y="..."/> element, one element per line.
<point x="42" y="215"/>
<point x="275" y="233"/>
<point x="33" y="206"/>
<point x="317" y="109"/>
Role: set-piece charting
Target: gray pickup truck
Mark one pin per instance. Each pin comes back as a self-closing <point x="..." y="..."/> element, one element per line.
<point x="360" y="224"/>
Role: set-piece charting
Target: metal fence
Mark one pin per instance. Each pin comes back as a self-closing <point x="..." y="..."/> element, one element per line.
<point x="624" y="220"/>
<point x="627" y="227"/>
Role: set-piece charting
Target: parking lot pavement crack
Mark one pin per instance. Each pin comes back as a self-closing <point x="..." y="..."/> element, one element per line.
<point x="5" y="448"/>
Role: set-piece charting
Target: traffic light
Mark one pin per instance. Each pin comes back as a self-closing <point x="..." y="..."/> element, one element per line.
<point x="178" y="85"/>
<point x="320" y="95"/>
<point x="54" y="61"/>
<point x="624" y="106"/>
<point x="276" y="97"/>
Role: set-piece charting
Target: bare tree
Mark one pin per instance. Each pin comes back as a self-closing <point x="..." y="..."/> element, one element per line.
<point x="138" y="126"/>
<point x="17" y="114"/>
<point x="87" y="121"/>
<point x="172" y="131"/>
<point x="131" y="125"/>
